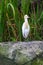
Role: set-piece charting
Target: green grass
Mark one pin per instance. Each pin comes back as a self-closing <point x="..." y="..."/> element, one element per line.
<point x="11" y="20"/>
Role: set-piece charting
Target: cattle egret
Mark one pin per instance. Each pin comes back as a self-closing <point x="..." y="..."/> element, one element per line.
<point x="25" y="27"/>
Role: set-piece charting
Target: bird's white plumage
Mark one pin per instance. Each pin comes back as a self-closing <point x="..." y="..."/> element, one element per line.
<point x="25" y="27"/>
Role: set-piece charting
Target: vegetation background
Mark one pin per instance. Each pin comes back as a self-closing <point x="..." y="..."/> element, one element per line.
<point x="11" y="19"/>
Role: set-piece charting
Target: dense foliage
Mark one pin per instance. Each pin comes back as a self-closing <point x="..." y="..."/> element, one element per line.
<point x="11" y="19"/>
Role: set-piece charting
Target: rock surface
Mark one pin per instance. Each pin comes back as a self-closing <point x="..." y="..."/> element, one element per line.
<point x="21" y="52"/>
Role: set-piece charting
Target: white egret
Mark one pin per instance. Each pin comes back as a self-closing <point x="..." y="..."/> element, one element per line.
<point x="25" y="27"/>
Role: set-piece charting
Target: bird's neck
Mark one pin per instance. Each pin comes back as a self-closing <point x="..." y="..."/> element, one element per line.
<point x="26" y="20"/>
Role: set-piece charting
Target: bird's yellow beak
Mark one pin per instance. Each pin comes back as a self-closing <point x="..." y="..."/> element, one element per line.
<point x="28" y="17"/>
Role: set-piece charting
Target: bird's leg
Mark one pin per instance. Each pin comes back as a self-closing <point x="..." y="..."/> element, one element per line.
<point x="26" y="39"/>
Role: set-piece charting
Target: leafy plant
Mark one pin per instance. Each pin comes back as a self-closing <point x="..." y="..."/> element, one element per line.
<point x="12" y="18"/>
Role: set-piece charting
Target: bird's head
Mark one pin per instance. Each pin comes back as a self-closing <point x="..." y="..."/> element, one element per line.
<point x="26" y="17"/>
